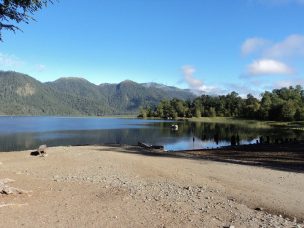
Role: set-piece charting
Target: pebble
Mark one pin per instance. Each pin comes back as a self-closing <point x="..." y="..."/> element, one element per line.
<point x="166" y="193"/>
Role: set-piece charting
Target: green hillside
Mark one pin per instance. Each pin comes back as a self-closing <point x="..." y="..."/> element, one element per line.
<point x="21" y="94"/>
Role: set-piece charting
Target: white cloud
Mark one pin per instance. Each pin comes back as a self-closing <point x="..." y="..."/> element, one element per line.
<point x="192" y="82"/>
<point x="40" y="67"/>
<point x="252" y="45"/>
<point x="196" y="85"/>
<point x="287" y="83"/>
<point x="268" y="67"/>
<point x="9" y="61"/>
<point x="271" y="54"/>
<point x="281" y="84"/>
<point x="293" y="45"/>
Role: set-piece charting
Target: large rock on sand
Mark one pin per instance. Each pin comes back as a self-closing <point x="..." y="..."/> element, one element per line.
<point x="7" y="190"/>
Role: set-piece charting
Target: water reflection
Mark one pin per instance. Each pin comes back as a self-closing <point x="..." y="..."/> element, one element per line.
<point x="22" y="133"/>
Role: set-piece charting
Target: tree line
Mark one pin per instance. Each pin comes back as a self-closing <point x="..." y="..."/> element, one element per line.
<point x="285" y="104"/>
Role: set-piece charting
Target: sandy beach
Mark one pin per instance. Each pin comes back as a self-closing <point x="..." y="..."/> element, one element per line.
<point x="127" y="186"/>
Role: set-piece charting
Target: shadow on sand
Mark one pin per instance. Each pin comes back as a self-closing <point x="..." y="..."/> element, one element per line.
<point x="284" y="157"/>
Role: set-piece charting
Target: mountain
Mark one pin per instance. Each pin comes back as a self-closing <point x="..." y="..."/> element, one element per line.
<point x="21" y="94"/>
<point x="128" y="96"/>
<point x="183" y="93"/>
<point x="81" y="95"/>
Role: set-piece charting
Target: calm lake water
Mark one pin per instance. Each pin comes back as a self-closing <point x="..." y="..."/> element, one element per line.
<point x="23" y="133"/>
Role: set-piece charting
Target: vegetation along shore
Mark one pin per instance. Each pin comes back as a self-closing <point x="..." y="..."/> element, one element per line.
<point x="285" y="104"/>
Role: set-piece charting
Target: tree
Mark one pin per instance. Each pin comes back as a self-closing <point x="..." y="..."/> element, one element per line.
<point x="142" y="113"/>
<point x="286" y="104"/>
<point x="198" y="108"/>
<point x="251" y="107"/>
<point x="211" y="112"/>
<point x="159" y="110"/>
<point x="299" y="114"/>
<point x="179" y="106"/>
<point x="266" y="104"/>
<point x="288" y="111"/>
<point x="13" y="12"/>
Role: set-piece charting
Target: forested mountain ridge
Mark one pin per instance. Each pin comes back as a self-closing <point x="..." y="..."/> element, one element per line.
<point x="21" y="94"/>
<point x="128" y="94"/>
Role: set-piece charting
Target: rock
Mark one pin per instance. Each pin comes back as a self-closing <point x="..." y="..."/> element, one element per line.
<point x="7" y="190"/>
<point x="258" y="209"/>
<point x="188" y="188"/>
<point x="1" y="186"/>
<point x="12" y="204"/>
<point x="11" y="190"/>
<point x="42" y="149"/>
<point x="7" y="180"/>
<point x="231" y="199"/>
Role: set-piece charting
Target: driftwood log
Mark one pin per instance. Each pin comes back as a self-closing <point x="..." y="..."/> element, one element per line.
<point x="146" y="146"/>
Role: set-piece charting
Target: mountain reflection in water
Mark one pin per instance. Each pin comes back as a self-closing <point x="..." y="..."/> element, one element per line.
<point x="23" y="133"/>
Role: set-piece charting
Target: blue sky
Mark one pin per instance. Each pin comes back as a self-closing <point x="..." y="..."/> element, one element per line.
<point x="213" y="46"/>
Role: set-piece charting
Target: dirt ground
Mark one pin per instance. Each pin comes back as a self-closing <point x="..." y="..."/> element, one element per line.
<point x="103" y="186"/>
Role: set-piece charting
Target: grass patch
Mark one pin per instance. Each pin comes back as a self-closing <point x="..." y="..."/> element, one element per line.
<point x="120" y="116"/>
<point x="296" y="125"/>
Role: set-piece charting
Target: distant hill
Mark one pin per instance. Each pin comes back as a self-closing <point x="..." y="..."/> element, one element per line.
<point x="21" y="94"/>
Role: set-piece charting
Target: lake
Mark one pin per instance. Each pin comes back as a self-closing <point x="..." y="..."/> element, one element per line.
<point x="24" y="133"/>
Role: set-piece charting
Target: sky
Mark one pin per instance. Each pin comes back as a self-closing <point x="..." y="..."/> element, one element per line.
<point x="209" y="46"/>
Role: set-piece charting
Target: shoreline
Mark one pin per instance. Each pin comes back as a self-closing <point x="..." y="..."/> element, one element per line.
<point x="59" y="116"/>
<point x="133" y="187"/>
<point x="217" y="119"/>
<point x="285" y="156"/>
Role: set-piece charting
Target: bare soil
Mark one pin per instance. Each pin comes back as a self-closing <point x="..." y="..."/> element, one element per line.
<point x="124" y="186"/>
